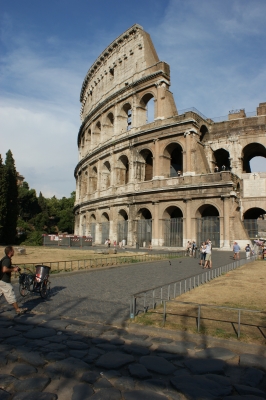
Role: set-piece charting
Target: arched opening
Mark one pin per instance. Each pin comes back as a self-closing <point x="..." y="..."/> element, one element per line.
<point x="146" y="109"/>
<point x="173" y="160"/>
<point x="88" y="139"/>
<point x="173" y="227"/>
<point x="83" y="226"/>
<point x="97" y="134"/>
<point x="222" y="160"/>
<point x="122" y="175"/>
<point x="106" y="175"/>
<point x="93" y="179"/>
<point x="92" y="227"/>
<point x="122" y="226"/>
<point x="105" y="227"/>
<point x="148" y="167"/>
<point x="208" y="225"/>
<point x="255" y="222"/>
<point x="109" y="126"/>
<point x="128" y="113"/>
<point x="251" y="151"/>
<point x="204" y="134"/>
<point x="144" y="227"/>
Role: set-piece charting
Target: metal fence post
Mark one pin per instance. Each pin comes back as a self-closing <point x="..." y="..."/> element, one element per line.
<point x="164" y="312"/>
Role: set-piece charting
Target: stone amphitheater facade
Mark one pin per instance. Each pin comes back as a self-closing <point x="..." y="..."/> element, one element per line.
<point x="155" y="182"/>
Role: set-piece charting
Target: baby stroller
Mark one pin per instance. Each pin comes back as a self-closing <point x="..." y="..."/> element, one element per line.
<point x="35" y="283"/>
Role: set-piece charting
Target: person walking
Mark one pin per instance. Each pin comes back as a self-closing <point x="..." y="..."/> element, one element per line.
<point x="202" y="254"/>
<point x="248" y="250"/>
<point x="236" y="250"/>
<point x="6" y="288"/>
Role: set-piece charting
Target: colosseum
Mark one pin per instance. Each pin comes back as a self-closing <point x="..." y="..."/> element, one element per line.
<point x="165" y="178"/>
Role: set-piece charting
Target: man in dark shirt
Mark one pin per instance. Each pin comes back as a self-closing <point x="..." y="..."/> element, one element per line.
<point x="5" y="280"/>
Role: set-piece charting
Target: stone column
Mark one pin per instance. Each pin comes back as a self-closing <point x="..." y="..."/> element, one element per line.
<point x="188" y="154"/>
<point x="156" y="160"/>
<point x="226" y="212"/>
<point x="155" y="224"/>
<point x="187" y="234"/>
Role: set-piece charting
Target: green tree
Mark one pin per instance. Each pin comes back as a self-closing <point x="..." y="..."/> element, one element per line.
<point x="10" y="177"/>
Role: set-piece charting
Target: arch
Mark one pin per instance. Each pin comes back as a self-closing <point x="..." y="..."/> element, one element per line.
<point x="173" y="226"/>
<point x="105" y="226"/>
<point x="127" y="111"/>
<point x="93" y="178"/>
<point x="92" y="226"/>
<point x="83" y="225"/>
<point x="144" y="227"/>
<point x="147" y="157"/>
<point x="88" y="139"/>
<point x="222" y="159"/>
<point x="146" y="112"/>
<point x="122" y="175"/>
<point x="250" y="151"/>
<point x="254" y="220"/>
<point x="106" y="175"/>
<point x="122" y="226"/>
<point x="208" y="224"/>
<point x="173" y="159"/>
<point x="204" y="133"/>
<point x="108" y="126"/>
<point x="97" y="133"/>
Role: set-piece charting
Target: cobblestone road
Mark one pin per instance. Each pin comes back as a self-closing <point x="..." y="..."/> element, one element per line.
<point x="104" y="295"/>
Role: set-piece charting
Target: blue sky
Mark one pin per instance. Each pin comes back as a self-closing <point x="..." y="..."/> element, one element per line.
<point x="215" y="48"/>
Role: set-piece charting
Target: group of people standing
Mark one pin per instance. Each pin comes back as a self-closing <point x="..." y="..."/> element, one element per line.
<point x="206" y="254"/>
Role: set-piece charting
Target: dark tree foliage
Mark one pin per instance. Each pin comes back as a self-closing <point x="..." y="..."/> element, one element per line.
<point x="10" y="181"/>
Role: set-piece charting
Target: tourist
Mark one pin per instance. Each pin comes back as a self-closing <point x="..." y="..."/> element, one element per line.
<point x="194" y="248"/>
<point x="236" y="250"/>
<point x="208" y="258"/>
<point x="5" y="280"/>
<point x="216" y="169"/>
<point x="202" y="254"/>
<point x="248" y="250"/>
<point x="223" y="168"/>
<point x="188" y="252"/>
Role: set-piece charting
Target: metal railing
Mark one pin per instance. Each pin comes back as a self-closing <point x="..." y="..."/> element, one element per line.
<point x="164" y="293"/>
<point x="76" y="265"/>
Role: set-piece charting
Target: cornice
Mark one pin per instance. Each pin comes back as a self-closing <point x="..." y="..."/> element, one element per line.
<point x="106" y="54"/>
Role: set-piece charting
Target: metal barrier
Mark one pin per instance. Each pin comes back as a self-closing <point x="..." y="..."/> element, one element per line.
<point x="165" y="293"/>
<point x="67" y="241"/>
<point x="72" y="265"/>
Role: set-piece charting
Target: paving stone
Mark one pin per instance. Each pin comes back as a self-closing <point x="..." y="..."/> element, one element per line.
<point x="138" y="350"/>
<point x="78" y="353"/>
<point x="69" y="367"/>
<point x="247" y="397"/>
<point x="206" y="366"/>
<point x="111" y="374"/>
<point x="142" y="343"/>
<point x="40" y="342"/>
<point x="32" y="358"/>
<point x="4" y="395"/>
<point x="156" y="385"/>
<point x="161" y="340"/>
<point x="139" y="371"/>
<point x="7" y="333"/>
<point x="54" y="347"/>
<point x="58" y="324"/>
<point x="114" y="360"/>
<point x="107" y="347"/>
<point x="6" y="380"/>
<point x="107" y="394"/>
<point x="22" y="328"/>
<point x="215" y="352"/>
<point x="252" y="377"/>
<point x="55" y="356"/>
<point x="90" y="377"/>
<point x="124" y="383"/>
<point x="157" y="364"/>
<point x="252" y="360"/>
<point x="97" y="340"/>
<point x="72" y="344"/>
<point x="34" y="396"/>
<point x="244" y="390"/>
<point x="143" y="395"/>
<point x="57" y="338"/>
<point x="31" y="384"/>
<point x="82" y="391"/>
<point x="16" y="341"/>
<point x="21" y="370"/>
<point x="102" y="383"/>
<point x="172" y="349"/>
<point x="90" y="359"/>
<point x="39" y="333"/>
<point x="169" y="356"/>
<point x="94" y="351"/>
<point x="133" y="337"/>
<point x="117" y="341"/>
<point x="200" y="387"/>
